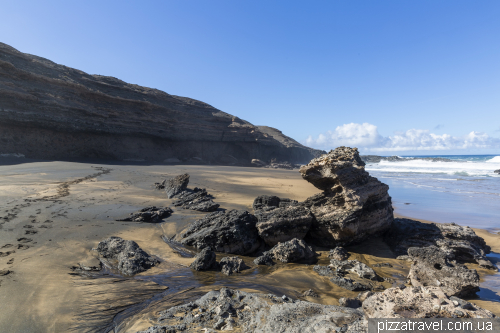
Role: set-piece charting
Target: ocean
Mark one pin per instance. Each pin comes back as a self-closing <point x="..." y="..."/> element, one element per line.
<point x="464" y="190"/>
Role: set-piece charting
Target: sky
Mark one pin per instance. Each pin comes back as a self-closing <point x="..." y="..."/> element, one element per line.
<point x="389" y="77"/>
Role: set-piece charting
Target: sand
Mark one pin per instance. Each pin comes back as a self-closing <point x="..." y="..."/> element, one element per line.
<point x="66" y="208"/>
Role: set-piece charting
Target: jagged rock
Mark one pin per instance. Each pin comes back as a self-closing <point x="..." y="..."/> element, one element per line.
<point x="283" y="224"/>
<point x="176" y="185"/>
<point x="230" y="265"/>
<point x="350" y="302"/>
<point x="419" y="302"/>
<point x="149" y="214"/>
<point x="125" y="255"/>
<point x="431" y="267"/>
<point x="265" y="259"/>
<point x="497" y="171"/>
<point x="310" y="293"/>
<point x="353" y="205"/>
<point x="354" y="266"/>
<point x="197" y="199"/>
<point x="338" y="253"/>
<point x="229" y="309"/>
<point x="295" y="250"/>
<point x="232" y="231"/>
<point x="460" y="243"/>
<point x="270" y="202"/>
<point x="205" y="260"/>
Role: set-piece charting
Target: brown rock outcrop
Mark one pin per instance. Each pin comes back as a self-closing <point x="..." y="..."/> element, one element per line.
<point x="352" y="206"/>
<point x="52" y="111"/>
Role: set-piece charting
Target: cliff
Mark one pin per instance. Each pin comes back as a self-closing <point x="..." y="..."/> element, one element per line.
<point x="51" y="111"/>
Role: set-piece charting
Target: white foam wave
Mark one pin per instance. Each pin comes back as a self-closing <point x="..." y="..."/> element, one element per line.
<point x="463" y="168"/>
<point x="495" y="159"/>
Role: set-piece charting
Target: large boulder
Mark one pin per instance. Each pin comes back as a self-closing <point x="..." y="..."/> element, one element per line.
<point x="230" y="265"/>
<point x="281" y="220"/>
<point x="420" y="302"/>
<point x="234" y="310"/>
<point x="497" y="171"/>
<point x="352" y="206"/>
<point x="431" y="267"/>
<point x="176" y="185"/>
<point x="232" y="231"/>
<point x="149" y="214"/>
<point x="460" y="243"/>
<point x="125" y="255"/>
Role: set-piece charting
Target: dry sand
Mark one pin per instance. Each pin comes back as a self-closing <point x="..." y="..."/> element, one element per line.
<point x="64" y="209"/>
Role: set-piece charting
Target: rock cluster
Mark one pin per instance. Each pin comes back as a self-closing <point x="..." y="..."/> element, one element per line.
<point x="206" y="260"/>
<point x="338" y="253"/>
<point x="420" y="302"/>
<point x="457" y="242"/>
<point x="352" y="206"/>
<point x="432" y="267"/>
<point x="338" y="270"/>
<point x="175" y="185"/>
<point x="125" y="255"/>
<point x="234" y="310"/>
<point x="149" y="214"/>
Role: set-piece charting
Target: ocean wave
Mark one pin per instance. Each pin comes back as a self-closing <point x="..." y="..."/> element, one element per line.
<point x="495" y="159"/>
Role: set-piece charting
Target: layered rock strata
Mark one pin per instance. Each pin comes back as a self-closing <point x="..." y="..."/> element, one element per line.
<point x="352" y="206"/>
<point x="51" y="111"/>
<point x="198" y="199"/>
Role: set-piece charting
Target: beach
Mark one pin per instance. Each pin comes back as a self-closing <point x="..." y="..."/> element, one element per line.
<point x="55" y="213"/>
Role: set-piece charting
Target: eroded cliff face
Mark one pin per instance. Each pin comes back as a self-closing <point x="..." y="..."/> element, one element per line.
<point x="53" y="111"/>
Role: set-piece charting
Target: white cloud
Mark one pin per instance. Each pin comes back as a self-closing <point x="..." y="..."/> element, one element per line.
<point x="365" y="136"/>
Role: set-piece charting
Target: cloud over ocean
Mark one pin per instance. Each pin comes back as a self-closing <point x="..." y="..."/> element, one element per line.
<point x="366" y="137"/>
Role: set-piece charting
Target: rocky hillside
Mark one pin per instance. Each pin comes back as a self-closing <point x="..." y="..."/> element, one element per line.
<point x="52" y="111"/>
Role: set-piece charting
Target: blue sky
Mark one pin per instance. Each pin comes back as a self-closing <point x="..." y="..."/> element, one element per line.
<point x="391" y="77"/>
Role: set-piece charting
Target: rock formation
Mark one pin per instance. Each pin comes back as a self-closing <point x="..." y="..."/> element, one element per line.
<point x="52" y="111"/>
<point x="232" y="231"/>
<point x="280" y="220"/>
<point x="149" y="214"/>
<point x="234" y="310"/>
<point x="205" y="260"/>
<point x="352" y="206"/>
<point x="457" y="242"/>
<point x="230" y="265"/>
<point x="175" y="185"/>
<point x="125" y="255"/>
<point x="420" y="302"/>
<point x="431" y="267"/>
<point x="338" y="253"/>
<point x="198" y="199"/>
<point x="497" y="171"/>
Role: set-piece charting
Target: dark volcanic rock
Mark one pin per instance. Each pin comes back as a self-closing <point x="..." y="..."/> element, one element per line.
<point x="431" y="267"/>
<point x="350" y="284"/>
<point x="234" y="310"/>
<point x="338" y="253"/>
<point x="295" y="250"/>
<point x="269" y="202"/>
<point x="230" y="265"/>
<point x="350" y="302"/>
<point x="149" y="214"/>
<point x="353" y="205"/>
<point x="265" y="259"/>
<point x="205" y="260"/>
<point x="125" y="255"/>
<point x="232" y="231"/>
<point x="198" y="199"/>
<point x="52" y="111"/>
<point x="497" y="171"/>
<point x="283" y="224"/>
<point x="176" y="185"/>
<point x="460" y="243"/>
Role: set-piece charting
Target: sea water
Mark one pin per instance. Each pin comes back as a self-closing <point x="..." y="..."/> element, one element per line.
<point x="464" y="190"/>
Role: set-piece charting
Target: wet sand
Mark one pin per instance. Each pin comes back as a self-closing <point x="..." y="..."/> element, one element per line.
<point x="54" y="213"/>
